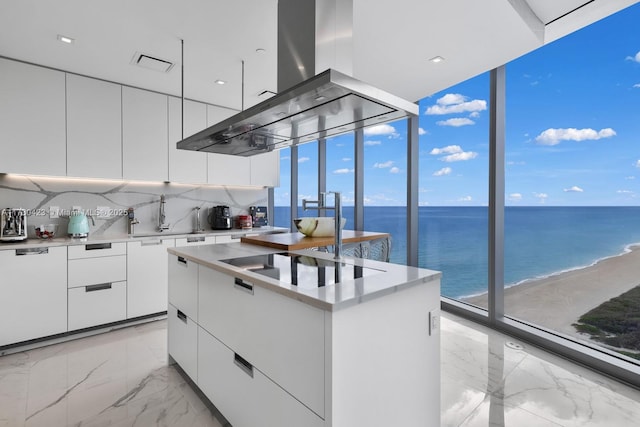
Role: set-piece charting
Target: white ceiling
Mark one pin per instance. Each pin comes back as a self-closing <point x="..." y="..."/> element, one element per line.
<point x="391" y="46"/>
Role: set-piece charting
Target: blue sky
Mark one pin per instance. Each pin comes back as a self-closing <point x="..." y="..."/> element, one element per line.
<point x="573" y="127"/>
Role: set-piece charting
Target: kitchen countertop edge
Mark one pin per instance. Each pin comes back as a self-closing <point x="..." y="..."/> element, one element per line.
<point x="31" y="243"/>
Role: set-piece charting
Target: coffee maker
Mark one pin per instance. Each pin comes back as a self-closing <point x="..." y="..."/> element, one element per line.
<point x="13" y="225"/>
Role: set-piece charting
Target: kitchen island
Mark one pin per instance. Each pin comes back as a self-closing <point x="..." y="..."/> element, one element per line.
<point x="293" y="338"/>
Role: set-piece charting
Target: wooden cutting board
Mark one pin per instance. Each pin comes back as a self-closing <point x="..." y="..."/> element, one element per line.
<point x="295" y="241"/>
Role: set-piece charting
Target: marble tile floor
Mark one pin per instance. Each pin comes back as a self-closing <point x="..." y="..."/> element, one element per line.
<point x="122" y="379"/>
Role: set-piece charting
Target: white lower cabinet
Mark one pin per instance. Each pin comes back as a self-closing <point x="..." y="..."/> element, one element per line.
<point x="242" y="393"/>
<point x="98" y="304"/>
<point x="183" y="341"/>
<point x="33" y="293"/>
<point x="147" y="277"/>
<point x="183" y="292"/>
<point x="259" y="324"/>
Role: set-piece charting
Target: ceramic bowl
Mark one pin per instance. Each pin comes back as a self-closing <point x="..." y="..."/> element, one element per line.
<point x="317" y="226"/>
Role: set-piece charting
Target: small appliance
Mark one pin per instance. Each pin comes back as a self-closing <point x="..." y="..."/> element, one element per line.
<point x="259" y="216"/>
<point x="79" y="224"/>
<point x="220" y="218"/>
<point x="13" y="225"/>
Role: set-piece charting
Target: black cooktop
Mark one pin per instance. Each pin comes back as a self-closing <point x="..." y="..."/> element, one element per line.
<point x="301" y="270"/>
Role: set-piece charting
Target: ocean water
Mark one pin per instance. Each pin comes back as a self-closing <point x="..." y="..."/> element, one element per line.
<point x="539" y="241"/>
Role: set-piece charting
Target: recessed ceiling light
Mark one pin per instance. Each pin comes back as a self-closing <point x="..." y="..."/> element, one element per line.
<point x="260" y="50"/>
<point x="65" y="39"/>
<point x="436" y="59"/>
<point x="220" y="82"/>
<point x="320" y="98"/>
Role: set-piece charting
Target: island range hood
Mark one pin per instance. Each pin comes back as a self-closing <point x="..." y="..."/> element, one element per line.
<point x="326" y="105"/>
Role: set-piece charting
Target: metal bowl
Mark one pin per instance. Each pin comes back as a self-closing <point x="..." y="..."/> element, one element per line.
<point x="46" y="231"/>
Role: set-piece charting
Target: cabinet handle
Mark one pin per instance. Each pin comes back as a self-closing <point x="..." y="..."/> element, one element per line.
<point x="32" y="251"/>
<point x="100" y="287"/>
<point x="182" y="260"/>
<point x="182" y="316"/>
<point x="97" y="246"/>
<point x="151" y="242"/>
<point x="243" y="364"/>
<point x="243" y="286"/>
<point x="195" y="239"/>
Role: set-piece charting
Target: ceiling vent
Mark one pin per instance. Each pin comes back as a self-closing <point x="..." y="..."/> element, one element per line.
<point x="152" y="63"/>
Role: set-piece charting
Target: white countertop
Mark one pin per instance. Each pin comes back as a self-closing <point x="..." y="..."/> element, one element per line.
<point x="114" y="238"/>
<point x="348" y="293"/>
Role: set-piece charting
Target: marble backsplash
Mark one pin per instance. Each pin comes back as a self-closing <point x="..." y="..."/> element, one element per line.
<point x="113" y="198"/>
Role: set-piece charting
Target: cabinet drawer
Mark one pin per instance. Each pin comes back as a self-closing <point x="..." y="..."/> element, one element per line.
<point x="97" y="250"/>
<point x="183" y="285"/>
<point x="224" y="239"/>
<point x="97" y="304"/>
<point x="242" y="393"/>
<point x="91" y="271"/>
<point x="195" y="241"/>
<point x="282" y="337"/>
<point x="183" y="341"/>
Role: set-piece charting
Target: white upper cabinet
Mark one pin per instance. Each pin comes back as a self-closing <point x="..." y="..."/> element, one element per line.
<point x="94" y="128"/>
<point x="145" y="138"/>
<point x="226" y="169"/>
<point x="32" y="122"/>
<point x="189" y="167"/>
<point x="265" y="169"/>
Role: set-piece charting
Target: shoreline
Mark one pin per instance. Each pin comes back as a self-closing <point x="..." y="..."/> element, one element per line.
<point x="556" y="301"/>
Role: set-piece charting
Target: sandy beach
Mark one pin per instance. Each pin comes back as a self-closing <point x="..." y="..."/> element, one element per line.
<point x="557" y="301"/>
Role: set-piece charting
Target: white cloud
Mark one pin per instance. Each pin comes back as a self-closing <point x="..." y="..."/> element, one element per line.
<point x="459" y="157"/>
<point x="451" y="99"/>
<point x="383" y="129"/>
<point x="449" y="149"/>
<point x="512" y="163"/>
<point x="384" y="165"/>
<point x="285" y="158"/>
<point x="574" y="189"/>
<point x="343" y="171"/>
<point x="421" y="131"/>
<point x="454" y="103"/>
<point x="637" y="164"/>
<point x="346" y="159"/>
<point x="456" y="122"/>
<point x="555" y="136"/>
<point x="443" y="171"/>
<point x="394" y="170"/>
<point x="635" y="58"/>
<point x="303" y="159"/>
<point x="514" y="197"/>
<point x="372" y="143"/>
<point x="624" y="192"/>
<point x="542" y="197"/>
<point x="474" y="115"/>
<point x="637" y="85"/>
<point x="465" y="199"/>
<point x="630" y="177"/>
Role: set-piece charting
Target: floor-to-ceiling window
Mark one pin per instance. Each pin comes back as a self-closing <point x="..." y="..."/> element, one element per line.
<point x="341" y="173"/>
<point x="572" y="220"/>
<point x="307" y="176"/>
<point x="454" y="166"/>
<point x="385" y="184"/>
<point x="282" y="199"/>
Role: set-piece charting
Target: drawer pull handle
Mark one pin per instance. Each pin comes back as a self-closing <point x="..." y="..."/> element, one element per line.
<point x="182" y="260"/>
<point x="100" y="287"/>
<point x="243" y="364"/>
<point x="243" y="286"/>
<point x="151" y="242"/>
<point x="195" y="239"/>
<point x="32" y="251"/>
<point x="97" y="246"/>
<point x="182" y="316"/>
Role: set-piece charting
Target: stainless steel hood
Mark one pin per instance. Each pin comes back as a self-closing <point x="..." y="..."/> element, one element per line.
<point x="328" y="104"/>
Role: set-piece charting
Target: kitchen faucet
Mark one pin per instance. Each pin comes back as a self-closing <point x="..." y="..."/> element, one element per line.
<point x="337" y="209"/>
<point x="162" y="217"/>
